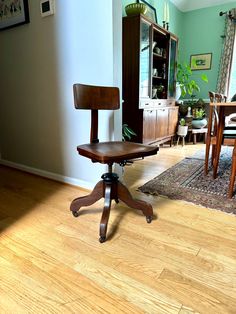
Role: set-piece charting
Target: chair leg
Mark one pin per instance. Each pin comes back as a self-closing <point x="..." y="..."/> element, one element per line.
<point x="87" y="200"/>
<point x="105" y="213"/>
<point x="218" y="142"/>
<point x="125" y="196"/>
<point x="207" y="154"/>
<point x="213" y="153"/>
<point x="111" y="189"/>
<point x="216" y="160"/>
<point x="208" y="140"/>
<point x="233" y="172"/>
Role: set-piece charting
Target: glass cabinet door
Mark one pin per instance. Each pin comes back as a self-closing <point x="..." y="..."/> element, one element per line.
<point x="144" y="59"/>
<point x="172" y="68"/>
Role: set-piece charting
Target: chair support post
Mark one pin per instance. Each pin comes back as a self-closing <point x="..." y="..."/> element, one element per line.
<point x="94" y="126"/>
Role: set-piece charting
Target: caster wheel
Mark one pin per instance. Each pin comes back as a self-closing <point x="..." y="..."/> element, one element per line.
<point x="149" y="219"/>
<point x="102" y="239"/>
<point x="75" y="214"/>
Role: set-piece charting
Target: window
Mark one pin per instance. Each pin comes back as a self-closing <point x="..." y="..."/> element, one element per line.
<point x="232" y="81"/>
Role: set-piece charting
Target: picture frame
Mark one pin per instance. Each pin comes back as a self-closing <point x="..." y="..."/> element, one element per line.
<point x="151" y="11"/>
<point x="13" y="13"/>
<point x="201" y="61"/>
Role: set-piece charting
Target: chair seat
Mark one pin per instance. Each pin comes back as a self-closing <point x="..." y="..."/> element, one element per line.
<point x="110" y="152"/>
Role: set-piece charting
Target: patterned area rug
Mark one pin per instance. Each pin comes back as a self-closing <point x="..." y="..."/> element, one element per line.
<point x="186" y="181"/>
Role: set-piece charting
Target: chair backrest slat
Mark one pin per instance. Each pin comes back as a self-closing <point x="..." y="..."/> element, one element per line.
<point x="214" y="116"/>
<point x="95" y="98"/>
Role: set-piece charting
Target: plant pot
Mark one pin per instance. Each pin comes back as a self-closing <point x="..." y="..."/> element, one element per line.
<point x="135" y="8"/>
<point x="182" y="130"/>
<point x="199" y="123"/>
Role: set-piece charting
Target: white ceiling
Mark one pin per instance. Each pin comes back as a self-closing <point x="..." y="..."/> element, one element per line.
<point x="189" y="5"/>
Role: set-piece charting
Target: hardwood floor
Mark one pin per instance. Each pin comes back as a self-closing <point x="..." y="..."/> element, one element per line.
<point x="50" y="262"/>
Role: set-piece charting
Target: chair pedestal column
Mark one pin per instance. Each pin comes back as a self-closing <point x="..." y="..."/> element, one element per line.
<point x="111" y="189"/>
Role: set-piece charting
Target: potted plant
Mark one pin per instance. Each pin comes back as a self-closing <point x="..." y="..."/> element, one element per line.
<point x="199" y="121"/>
<point x="188" y="86"/>
<point x="198" y="113"/>
<point x="182" y="128"/>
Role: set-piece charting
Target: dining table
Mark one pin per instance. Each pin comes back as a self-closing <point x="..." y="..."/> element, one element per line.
<point x="222" y="108"/>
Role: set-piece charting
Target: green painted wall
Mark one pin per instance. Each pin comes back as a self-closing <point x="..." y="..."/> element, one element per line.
<point x="199" y="32"/>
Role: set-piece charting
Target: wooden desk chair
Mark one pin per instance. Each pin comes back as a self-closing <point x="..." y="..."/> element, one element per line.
<point x="233" y="172"/>
<point x="97" y="98"/>
<point x="229" y="134"/>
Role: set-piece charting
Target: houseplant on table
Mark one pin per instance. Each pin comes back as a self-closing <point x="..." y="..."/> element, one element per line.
<point x="199" y="121"/>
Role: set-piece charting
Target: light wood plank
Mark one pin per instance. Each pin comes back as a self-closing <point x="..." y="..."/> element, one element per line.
<point x="201" y="298"/>
<point x="50" y="262"/>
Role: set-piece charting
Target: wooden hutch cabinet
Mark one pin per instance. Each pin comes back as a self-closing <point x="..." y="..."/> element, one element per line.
<point x="149" y="74"/>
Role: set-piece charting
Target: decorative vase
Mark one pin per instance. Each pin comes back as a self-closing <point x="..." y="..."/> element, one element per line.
<point x="135" y="8"/>
<point x="199" y="123"/>
<point x="178" y="91"/>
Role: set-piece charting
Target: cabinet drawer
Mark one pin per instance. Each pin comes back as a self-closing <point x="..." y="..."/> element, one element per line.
<point x="156" y="103"/>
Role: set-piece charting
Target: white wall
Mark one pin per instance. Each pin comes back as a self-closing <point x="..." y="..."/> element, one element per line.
<point x="39" y="62"/>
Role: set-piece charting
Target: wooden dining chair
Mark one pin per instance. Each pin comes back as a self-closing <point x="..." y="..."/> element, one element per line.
<point x="97" y="98"/>
<point x="229" y="133"/>
<point x="233" y="172"/>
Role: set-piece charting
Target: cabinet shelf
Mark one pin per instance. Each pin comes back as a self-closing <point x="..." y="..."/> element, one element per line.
<point x="159" y="78"/>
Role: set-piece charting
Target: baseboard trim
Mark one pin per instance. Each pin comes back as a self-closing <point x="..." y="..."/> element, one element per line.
<point x="50" y="175"/>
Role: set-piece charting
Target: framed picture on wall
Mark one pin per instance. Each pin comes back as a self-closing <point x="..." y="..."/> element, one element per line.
<point x="201" y="61"/>
<point x="13" y="13"/>
<point x="151" y="11"/>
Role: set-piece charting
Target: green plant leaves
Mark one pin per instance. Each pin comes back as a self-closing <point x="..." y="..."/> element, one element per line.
<point x="204" y="78"/>
<point x="127" y="132"/>
<point x="187" y="84"/>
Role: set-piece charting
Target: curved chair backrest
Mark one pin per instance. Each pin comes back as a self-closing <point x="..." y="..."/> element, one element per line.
<point x="216" y="97"/>
<point x="95" y="98"/>
<point x="213" y="116"/>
